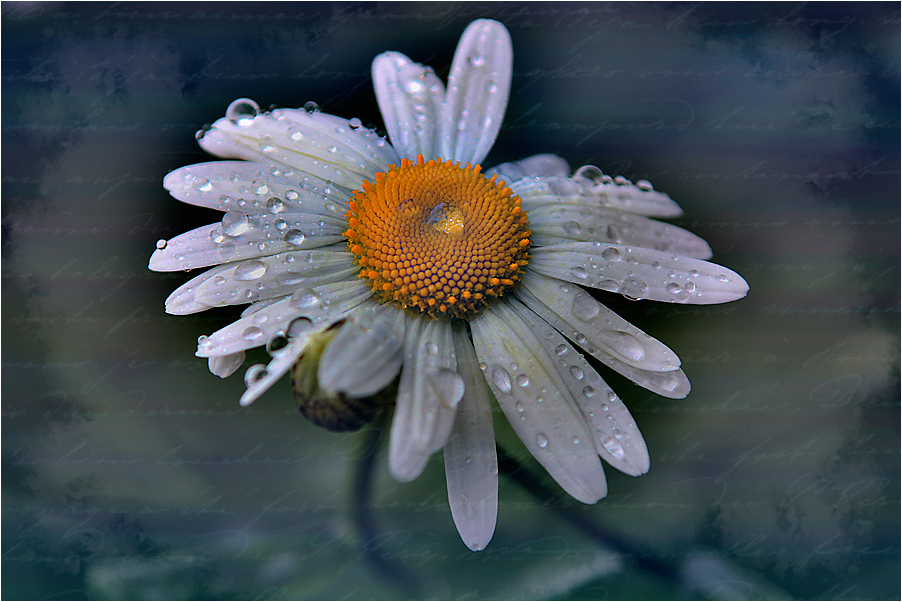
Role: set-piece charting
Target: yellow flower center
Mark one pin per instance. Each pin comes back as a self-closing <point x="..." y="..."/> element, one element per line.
<point x="438" y="237"/>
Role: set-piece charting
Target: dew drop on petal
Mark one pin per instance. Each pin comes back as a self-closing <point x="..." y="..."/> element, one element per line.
<point x="235" y="223"/>
<point x="161" y="244"/>
<point x="571" y="227"/>
<point x="311" y="107"/>
<point x="520" y="407"/>
<point x="584" y="307"/>
<point x="251" y="334"/>
<point x="576" y="372"/>
<point x="522" y="380"/>
<point x="673" y="288"/>
<point x="275" y="205"/>
<point x="611" y="254"/>
<point x="303" y="298"/>
<point x="588" y="391"/>
<point x="613" y="447"/>
<point x="251" y="269"/>
<point x="501" y="378"/>
<point x="579" y="272"/>
<point x="542" y="440"/>
<point x="298" y="327"/>
<point x="431" y="348"/>
<point x="242" y="111"/>
<point x="561" y="349"/>
<point x="291" y="195"/>
<point x="294" y="237"/>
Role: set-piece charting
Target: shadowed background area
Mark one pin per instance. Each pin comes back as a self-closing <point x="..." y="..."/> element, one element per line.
<point x="129" y="471"/>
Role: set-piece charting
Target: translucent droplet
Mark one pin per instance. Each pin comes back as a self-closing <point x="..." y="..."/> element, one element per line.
<point x="585" y="307"/>
<point x="252" y="333"/>
<point x="673" y="288"/>
<point x="235" y="223"/>
<point x="501" y="378"/>
<point x="294" y="237"/>
<point x="693" y="273"/>
<point x="431" y="348"/>
<point x="242" y="111"/>
<point x="303" y="298"/>
<point x="277" y="345"/>
<point x="476" y="60"/>
<point x="611" y="254"/>
<point x="614" y="233"/>
<point x="161" y="244"/>
<point x="612" y="286"/>
<point x="520" y="408"/>
<point x="576" y="372"/>
<point x="297" y="136"/>
<point x="571" y="227"/>
<point x="611" y="395"/>
<point x="721" y="278"/>
<point x="645" y="185"/>
<point x="280" y="225"/>
<point x="249" y="270"/>
<point x="355" y="123"/>
<point x="299" y="326"/>
<point x="613" y="447"/>
<point x="561" y="349"/>
<point x="275" y="205"/>
<point x="254" y="374"/>
<point x="588" y="391"/>
<point x="523" y="380"/>
<point x="575" y="440"/>
<point x="542" y="440"/>
<point x="579" y="272"/>
<point x="625" y="344"/>
<point x="311" y="107"/>
<point x="291" y="195"/>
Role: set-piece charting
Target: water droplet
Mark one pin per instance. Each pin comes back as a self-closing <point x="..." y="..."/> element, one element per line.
<point x="501" y="378"/>
<point x="579" y="272"/>
<point x="611" y="254"/>
<point x="161" y="244"/>
<point x="431" y="348"/>
<point x="542" y="440"/>
<point x="611" y="395"/>
<point x="254" y="374"/>
<point x="673" y="288"/>
<point x="576" y="372"/>
<point x="690" y="287"/>
<point x="294" y="237"/>
<point x="297" y="136"/>
<point x="204" y="185"/>
<point x="476" y="60"/>
<point x="242" y="111"/>
<point x="249" y="270"/>
<point x="613" y="447"/>
<point x="252" y="333"/>
<point x="645" y="185"/>
<point x="575" y="440"/>
<point x="235" y="223"/>
<point x="721" y="278"/>
<point x="522" y="380"/>
<point x="614" y="233"/>
<point x="571" y="227"/>
<point x="561" y="349"/>
<point x="693" y="273"/>
<point x="277" y="345"/>
<point x="280" y="224"/>
<point x="291" y="195"/>
<point x="585" y="307"/>
<point x="625" y="344"/>
<point x="275" y="205"/>
<point x="311" y="107"/>
<point x="588" y="391"/>
<point x="355" y="123"/>
<point x="298" y="327"/>
<point x="520" y="407"/>
<point x="303" y="298"/>
<point x="612" y="286"/>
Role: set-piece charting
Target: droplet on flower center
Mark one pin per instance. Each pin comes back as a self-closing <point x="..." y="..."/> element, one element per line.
<point x="438" y="237"/>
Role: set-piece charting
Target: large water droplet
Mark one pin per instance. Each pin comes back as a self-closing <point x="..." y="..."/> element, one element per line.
<point x="252" y="333"/>
<point x="501" y="378"/>
<point x="311" y="107"/>
<point x="275" y="205"/>
<point x="476" y="60"/>
<point x="242" y="111"/>
<point x="235" y="223"/>
<point x="294" y="237"/>
<point x="522" y="380"/>
<point x="431" y="348"/>
<point x="303" y="298"/>
<point x="254" y="374"/>
<point x="673" y="288"/>
<point x="611" y="254"/>
<point x="161" y="244"/>
<point x="542" y="440"/>
<point x="277" y="345"/>
<point x="249" y="270"/>
<point x="579" y="272"/>
<point x="625" y="344"/>
<point x="585" y="307"/>
<point x="561" y="349"/>
<point x="576" y="372"/>
<point x="613" y="447"/>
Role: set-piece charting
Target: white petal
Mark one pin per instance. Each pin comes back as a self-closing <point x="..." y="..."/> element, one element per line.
<point x="553" y="222"/>
<point x="224" y="366"/>
<point x="471" y="465"/>
<point x="410" y="97"/>
<point x="256" y="188"/>
<point x="616" y="436"/>
<point x="478" y="89"/>
<point x="326" y="303"/>
<point x="428" y="395"/>
<point x="530" y="167"/>
<point x="672" y="383"/>
<point x="263" y="278"/>
<point x="362" y="359"/>
<point x="593" y="326"/>
<point x="537" y="402"/>
<point x="639" y="273"/>
<point x="322" y="145"/>
<point x="259" y="378"/>
<point x="246" y="236"/>
<point x="602" y="190"/>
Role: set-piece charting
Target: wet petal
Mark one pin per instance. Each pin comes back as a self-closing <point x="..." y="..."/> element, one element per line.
<point x="537" y="402"/>
<point x="530" y="167"/>
<point x="428" y="394"/>
<point x="478" y="89"/>
<point x="322" y="145"/>
<point x="640" y="273"/>
<point x="471" y="465"/>
<point x="616" y="436"/>
<point x="362" y="359"/>
<point x="410" y="98"/>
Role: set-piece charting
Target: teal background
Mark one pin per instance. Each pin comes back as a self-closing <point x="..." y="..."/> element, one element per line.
<point x="130" y="472"/>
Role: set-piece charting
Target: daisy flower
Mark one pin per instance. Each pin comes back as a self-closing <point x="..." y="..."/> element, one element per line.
<point x="370" y="265"/>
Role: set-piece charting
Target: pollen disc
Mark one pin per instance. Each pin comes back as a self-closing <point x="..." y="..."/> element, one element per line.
<point x="438" y="237"/>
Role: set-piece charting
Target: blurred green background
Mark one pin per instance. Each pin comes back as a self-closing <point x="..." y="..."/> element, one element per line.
<point x="129" y="471"/>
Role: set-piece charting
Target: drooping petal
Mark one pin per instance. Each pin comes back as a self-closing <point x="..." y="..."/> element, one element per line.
<point x="589" y="186"/>
<point x="263" y="278"/>
<point x="322" y="145"/>
<point x="362" y="359"/>
<point x="256" y="188"/>
<point x="326" y="303"/>
<point x="478" y="89"/>
<point x="537" y="402"/>
<point x="224" y="366"/>
<point x="471" y="464"/>
<point x="428" y="395"/>
<point x="410" y="97"/>
<point x="592" y="325"/>
<point x="246" y="236"/>
<point x="616" y="436"/>
<point x="531" y="167"/>
<point x="639" y="273"/>
<point x="670" y="383"/>
<point x="554" y="223"/>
